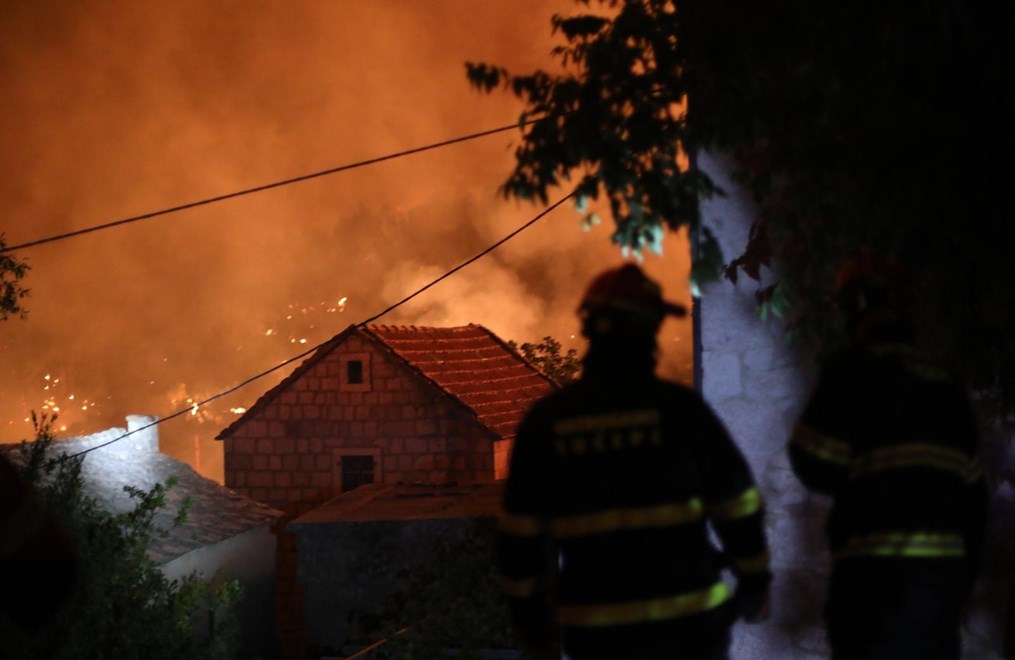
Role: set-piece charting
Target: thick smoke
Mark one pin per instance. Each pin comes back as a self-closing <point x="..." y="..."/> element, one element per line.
<point x="118" y="108"/>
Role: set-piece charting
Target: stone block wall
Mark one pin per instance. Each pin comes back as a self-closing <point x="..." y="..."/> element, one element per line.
<point x="757" y="384"/>
<point x="285" y="455"/>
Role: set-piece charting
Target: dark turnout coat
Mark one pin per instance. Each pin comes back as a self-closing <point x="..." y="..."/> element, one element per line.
<point x="621" y="476"/>
<point x="892" y="437"/>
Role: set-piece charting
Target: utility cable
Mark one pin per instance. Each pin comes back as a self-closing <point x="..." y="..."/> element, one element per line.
<point x="267" y="186"/>
<point x="313" y="349"/>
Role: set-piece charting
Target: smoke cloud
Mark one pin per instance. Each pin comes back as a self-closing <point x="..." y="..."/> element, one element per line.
<point x="117" y="108"/>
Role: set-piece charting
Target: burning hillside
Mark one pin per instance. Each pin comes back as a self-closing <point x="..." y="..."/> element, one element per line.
<point x="122" y="109"/>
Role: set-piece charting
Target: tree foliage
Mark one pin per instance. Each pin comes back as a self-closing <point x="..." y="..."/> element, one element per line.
<point x="546" y="355"/>
<point x="122" y="605"/>
<point x="885" y="125"/>
<point x="12" y="292"/>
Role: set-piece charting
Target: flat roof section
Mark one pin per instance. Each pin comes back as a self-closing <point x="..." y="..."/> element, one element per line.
<point x="386" y="502"/>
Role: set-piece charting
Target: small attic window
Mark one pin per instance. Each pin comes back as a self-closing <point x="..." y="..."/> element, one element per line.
<point x="354" y="375"/>
<point x="354" y="372"/>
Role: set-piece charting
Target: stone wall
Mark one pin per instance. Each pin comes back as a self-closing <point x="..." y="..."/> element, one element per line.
<point x="286" y="453"/>
<point x="756" y="382"/>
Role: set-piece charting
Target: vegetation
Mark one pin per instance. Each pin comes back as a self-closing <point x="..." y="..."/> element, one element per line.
<point x="121" y="606"/>
<point x="12" y="272"/>
<point x="547" y="357"/>
<point x="872" y="124"/>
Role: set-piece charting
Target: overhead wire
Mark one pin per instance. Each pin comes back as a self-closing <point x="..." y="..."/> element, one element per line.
<point x="198" y="404"/>
<point x="261" y="188"/>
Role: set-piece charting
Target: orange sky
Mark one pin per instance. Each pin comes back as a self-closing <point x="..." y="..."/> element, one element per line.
<point x="112" y="109"/>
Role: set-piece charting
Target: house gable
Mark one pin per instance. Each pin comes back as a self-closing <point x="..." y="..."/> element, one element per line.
<point x="316" y="433"/>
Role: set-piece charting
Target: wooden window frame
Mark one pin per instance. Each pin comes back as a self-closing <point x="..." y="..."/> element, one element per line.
<point x="336" y="464"/>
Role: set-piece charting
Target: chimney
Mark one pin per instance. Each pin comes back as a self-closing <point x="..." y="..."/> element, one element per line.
<point x="146" y="440"/>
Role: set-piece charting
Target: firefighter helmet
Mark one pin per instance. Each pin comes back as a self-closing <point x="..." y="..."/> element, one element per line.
<point x="872" y="281"/>
<point x="628" y="290"/>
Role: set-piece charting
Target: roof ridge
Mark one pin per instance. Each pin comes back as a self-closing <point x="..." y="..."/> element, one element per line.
<point x="385" y="337"/>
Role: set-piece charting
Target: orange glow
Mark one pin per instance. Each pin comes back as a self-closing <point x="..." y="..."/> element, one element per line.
<point x="181" y="105"/>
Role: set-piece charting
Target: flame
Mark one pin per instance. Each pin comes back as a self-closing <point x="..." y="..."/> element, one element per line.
<point x="193" y="411"/>
<point x="238" y="411"/>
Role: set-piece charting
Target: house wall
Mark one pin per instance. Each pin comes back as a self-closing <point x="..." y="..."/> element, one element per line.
<point x="350" y="569"/>
<point x="287" y="453"/>
<point x="248" y="558"/>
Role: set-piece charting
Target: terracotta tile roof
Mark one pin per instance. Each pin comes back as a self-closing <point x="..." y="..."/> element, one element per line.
<point x="474" y="366"/>
<point x="468" y="363"/>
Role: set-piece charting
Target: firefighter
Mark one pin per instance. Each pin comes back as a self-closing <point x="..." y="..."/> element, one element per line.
<point x="891" y="435"/>
<point x="604" y="539"/>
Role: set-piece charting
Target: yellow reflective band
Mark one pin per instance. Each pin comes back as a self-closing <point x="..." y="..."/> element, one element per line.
<point x="518" y="588"/>
<point x="743" y="505"/>
<point x="820" y="445"/>
<point x="613" y="520"/>
<point x="904" y="545"/>
<point x="751" y="565"/>
<point x="618" y="420"/>
<point x="517" y="525"/>
<point x="641" y="611"/>
<point x="913" y="455"/>
<point x="973" y="473"/>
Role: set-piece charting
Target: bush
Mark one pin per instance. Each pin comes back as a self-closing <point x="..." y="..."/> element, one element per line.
<point x="121" y="605"/>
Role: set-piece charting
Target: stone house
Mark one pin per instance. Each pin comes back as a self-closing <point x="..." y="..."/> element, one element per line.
<point x="383" y="404"/>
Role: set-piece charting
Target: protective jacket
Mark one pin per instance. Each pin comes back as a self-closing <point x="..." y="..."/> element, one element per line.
<point x="891" y="435"/>
<point x="612" y="483"/>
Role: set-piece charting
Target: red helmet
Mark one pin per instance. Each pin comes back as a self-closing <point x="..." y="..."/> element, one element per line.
<point x="873" y="283"/>
<point x="870" y="269"/>
<point x="628" y="289"/>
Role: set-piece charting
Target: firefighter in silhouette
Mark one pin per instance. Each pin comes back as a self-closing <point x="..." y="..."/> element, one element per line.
<point x="604" y="541"/>
<point x="892" y="437"/>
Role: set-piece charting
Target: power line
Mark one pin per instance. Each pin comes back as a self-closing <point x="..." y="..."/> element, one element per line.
<point x="470" y="260"/>
<point x="267" y="186"/>
<point x="313" y="349"/>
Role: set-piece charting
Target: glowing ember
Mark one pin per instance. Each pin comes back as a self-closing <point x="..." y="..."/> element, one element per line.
<point x="193" y="411"/>
<point x="237" y="411"/>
